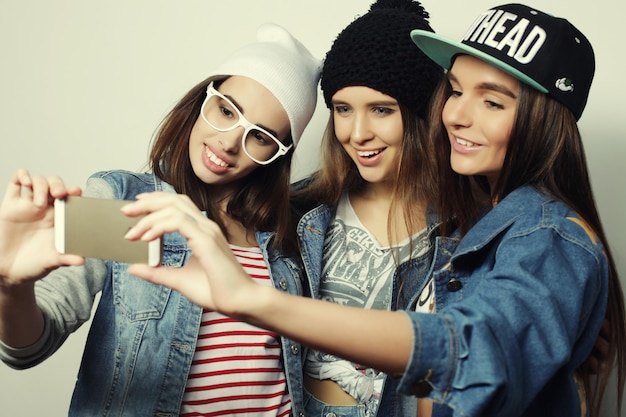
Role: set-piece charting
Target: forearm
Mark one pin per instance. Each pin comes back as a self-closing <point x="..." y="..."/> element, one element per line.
<point x="379" y="339"/>
<point x="21" y="320"/>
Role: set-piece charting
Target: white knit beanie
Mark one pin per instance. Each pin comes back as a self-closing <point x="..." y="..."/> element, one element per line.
<point x="284" y="66"/>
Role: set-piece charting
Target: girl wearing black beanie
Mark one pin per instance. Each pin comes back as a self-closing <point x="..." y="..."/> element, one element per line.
<point x="367" y="203"/>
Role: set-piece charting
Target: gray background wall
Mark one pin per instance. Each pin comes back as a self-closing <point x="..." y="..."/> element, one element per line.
<point x="84" y="84"/>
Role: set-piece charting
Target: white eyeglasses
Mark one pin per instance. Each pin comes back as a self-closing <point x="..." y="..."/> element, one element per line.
<point x="221" y="114"/>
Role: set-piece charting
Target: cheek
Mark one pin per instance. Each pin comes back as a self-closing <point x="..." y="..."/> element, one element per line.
<point x="389" y="129"/>
<point x="249" y="168"/>
<point x="395" y="133"/>
<point x="500" y="134"/>
<point x="198" y="131"/>
<point x="499" y="144"/>
<point x="343" y="129"/>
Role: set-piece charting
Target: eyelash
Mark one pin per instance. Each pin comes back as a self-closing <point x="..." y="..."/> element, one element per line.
<point x="226" y="111"/>
<point x="490" y="103"/>
<point x="493" y="104"/>
<point x="383" y="110"/>
<point x="377" y="110"/>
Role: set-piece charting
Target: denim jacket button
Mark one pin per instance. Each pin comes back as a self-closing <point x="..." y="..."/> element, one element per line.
<point x="283" y="284"/>
<point x="295" y="349"/>
<point x="454" y="285"/>
<point x="330" y="415"/>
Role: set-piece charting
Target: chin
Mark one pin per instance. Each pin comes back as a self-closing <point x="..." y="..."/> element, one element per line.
<point x="463" y="170"/>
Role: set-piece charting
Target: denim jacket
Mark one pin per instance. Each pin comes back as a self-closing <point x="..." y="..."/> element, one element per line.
<point x="520" y="301"/>
<point x="311" y="230"/>
<point x="143" y="336"/>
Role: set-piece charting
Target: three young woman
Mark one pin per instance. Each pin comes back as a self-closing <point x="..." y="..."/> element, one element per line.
<point x="521" y="289"/>
<point x="225" y="148"/>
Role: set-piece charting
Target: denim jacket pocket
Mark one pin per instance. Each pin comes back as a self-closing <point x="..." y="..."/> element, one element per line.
<point x="141" y="300"/>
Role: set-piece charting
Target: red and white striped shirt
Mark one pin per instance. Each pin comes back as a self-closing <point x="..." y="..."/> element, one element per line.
<point x="237" y="368"/>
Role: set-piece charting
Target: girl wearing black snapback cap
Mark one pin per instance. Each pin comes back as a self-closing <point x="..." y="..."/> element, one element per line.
<point x="539" y="259"/>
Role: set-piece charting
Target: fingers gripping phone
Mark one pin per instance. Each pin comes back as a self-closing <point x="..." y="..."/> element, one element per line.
<point x="95" y="228"/>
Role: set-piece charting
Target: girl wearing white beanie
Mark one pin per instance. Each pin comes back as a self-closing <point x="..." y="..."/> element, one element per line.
<point x="225" y="148"/>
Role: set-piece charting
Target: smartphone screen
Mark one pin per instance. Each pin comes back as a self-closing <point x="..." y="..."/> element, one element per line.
<point x="95" y="228"/>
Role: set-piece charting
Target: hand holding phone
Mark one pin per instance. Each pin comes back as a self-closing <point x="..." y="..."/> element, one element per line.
<point x="95" y="228"/>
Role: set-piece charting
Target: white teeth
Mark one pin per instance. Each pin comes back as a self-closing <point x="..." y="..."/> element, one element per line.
<point x="215" y="159"/>
<point x="367" y="154"/>
<point x="465" y="142"/>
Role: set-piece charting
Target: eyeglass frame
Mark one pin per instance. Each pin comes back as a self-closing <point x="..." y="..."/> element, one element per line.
<point x="246" y="124"/>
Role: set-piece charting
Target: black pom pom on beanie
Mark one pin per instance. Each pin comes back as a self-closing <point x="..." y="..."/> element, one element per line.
<point x="376" y="51"/>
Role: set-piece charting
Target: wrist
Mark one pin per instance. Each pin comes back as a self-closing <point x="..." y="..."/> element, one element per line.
<point x="21" y="320"/>
<point x="16" y="291"/>
<point x="259" y="303"/>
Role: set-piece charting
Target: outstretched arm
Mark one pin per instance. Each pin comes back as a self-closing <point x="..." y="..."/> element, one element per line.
<point x="214" y="279"/>
<point x="27" y="252"/>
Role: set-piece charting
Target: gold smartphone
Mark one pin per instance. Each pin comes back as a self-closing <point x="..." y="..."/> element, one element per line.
<point x="95" y="228"/>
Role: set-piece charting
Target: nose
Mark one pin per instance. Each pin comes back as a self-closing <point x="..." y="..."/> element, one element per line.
<point x="361" y="130"/>
<point x="230" y="141"/>
<point x="456" y="112"/>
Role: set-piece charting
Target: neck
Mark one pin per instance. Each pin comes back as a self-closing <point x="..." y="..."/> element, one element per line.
<point x="374" y="207"/>
<point x="407" y="216"/>
<point x="236" y="233"/>
<point x="222" y="195"/>
<point x="378" y="193"/>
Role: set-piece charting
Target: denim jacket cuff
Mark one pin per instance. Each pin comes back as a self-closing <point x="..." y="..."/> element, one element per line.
<point x="431" y="367"/>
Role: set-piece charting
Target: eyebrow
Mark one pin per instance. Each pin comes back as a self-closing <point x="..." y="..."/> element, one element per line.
<point x="381" y="103"/>
<point x="232" y="100"/>
<point x="488" y="86"/>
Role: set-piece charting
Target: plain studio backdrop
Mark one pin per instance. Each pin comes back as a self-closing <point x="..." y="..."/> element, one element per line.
<point x="85" y="83"/>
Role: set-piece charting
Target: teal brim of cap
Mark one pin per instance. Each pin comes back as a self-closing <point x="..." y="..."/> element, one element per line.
<point x="442" y="50"/>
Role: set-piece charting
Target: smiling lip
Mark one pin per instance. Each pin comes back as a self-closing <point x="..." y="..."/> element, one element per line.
<point x="213" y="162"/>
<point x="369" y="157"/>
<point x="463" y="145"/>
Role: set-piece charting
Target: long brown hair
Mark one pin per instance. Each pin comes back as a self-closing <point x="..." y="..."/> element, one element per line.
<point x="545" y="150"/>
<point x="415" y="177"/>
<point x="416" y="182"/>
<point x="262" y="201"/>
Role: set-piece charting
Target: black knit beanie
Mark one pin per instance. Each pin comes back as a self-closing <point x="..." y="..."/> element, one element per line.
<point x="376" y="51"/>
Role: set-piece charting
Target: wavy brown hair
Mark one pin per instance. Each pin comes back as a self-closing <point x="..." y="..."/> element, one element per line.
<point x="546" y="151"/>
<point x="416" y="181"/>
<point x="415" y="178"/>
<point x="262" y="202"/>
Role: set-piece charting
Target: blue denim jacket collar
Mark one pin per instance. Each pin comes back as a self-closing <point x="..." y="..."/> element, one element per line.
<point x="510" y="209"/>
